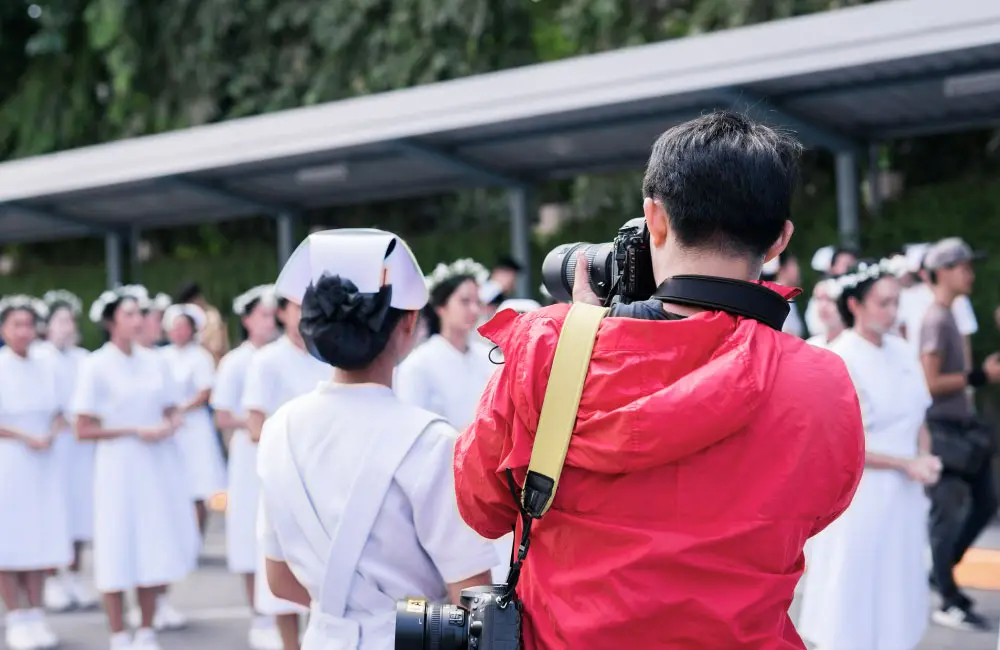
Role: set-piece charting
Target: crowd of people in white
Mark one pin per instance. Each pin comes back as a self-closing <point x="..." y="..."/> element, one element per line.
<point x="119" y="448"/>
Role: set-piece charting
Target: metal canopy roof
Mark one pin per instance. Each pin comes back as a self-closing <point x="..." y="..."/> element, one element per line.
<point x="839" y="79"/>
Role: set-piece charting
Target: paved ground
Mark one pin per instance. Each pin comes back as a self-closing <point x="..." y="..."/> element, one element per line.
<point x="213" y="600"/>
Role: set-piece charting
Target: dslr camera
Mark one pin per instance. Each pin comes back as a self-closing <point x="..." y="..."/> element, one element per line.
<point x="619" y="271"/>
<point x="483" y="621"/>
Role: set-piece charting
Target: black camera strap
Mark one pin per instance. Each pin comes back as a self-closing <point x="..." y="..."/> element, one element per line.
<point x="748" y="299"/>
<point x="520" y="551"/>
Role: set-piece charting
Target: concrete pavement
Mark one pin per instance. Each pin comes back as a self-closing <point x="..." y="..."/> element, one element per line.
<point x="213" y="600"/>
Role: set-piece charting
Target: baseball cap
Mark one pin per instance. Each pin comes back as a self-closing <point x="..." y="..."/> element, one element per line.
<point x="948" y="252"/>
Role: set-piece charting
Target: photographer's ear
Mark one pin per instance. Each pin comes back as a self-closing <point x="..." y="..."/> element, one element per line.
<point x="657" y="220"/>
<point x="779" y="245"/>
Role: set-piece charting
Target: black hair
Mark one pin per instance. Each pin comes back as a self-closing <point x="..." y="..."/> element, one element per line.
<point x="859" y="292"/>
<point x="344" y="327"/>
<point x="250" y="306"/>
<point x="108" y="315"/>
<point x="843" y="250"/>
<point x="725" y="181"/>
<point x="279" y="307"/>
<point x="440" y="294"/>
<point x="509" y="263"/>
<point x="187" y="292"/>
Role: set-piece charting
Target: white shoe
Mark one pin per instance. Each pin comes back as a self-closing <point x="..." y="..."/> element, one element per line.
<point x="80" y="591"/>
<point x="56" y="596"/>
<point x="43" y="636"/>
<point x="264" y="634"/>
<point x="168" y="618"/>
<point x="18" y="634"/>
<point x="145" y="639"/>
<point x="121" y="641"/>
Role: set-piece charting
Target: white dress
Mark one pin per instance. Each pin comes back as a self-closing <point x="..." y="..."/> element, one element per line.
<point x="145" y="530"/>
<point x="33" y="523"/>
<point x="866" y="583"/>
<point x="439" y="378"/>
<point x="377" y="519"/>
<point x="193" y="371"/>
<point x="74" y="458"/>
<point x="278" y="372"/>
<point x="244" y="486"/>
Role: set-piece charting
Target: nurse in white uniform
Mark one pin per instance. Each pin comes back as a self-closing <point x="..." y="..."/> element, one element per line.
<point x="153" y="308"/>
<point x="827" y="313"/>
<point x="74" y="458"/>
<point x="358" y="490"/>
<point x="255" y="308"/>
<point x="34" y="537"/>
<point x="866" y="586"/>
<point x="279" y="372"/>
<point x="145" y="530"/>
<point x="447" y="373"/>
<point x="194" y="373"/>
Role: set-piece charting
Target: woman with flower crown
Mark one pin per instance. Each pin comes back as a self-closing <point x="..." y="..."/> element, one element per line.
<point x="255" y="309"/>
<point x="145" y="530"/>
<point x="34" y="537"/>
<point x="74" y="458"/>
<point x="866" y="582"/>
<point x="448" y="372"/>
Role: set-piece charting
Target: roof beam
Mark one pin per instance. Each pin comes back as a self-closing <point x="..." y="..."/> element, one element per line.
<point x="49" y="215"/>
<point x="229" y="196"/>
<point x="935" y="127"/>
<point x="822" y="136"/>
<point x="457" y="163"/>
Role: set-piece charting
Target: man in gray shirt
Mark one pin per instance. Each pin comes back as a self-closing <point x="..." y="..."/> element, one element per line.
<point x="962" y="503"/>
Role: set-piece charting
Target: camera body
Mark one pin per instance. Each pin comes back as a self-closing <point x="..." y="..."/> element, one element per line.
<point x="619" y="271"/>
<point x="478" y="623"/>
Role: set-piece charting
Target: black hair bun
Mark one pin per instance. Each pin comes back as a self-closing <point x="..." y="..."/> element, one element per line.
<point x="344" y="327"/>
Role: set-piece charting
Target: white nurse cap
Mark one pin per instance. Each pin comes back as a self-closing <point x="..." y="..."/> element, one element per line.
<point x="194" y="312"/>
<point x="915" y="256"/>
<point x="262" y="294"/>
<point x="368" y="257"/>
<point x="822" y="259"/>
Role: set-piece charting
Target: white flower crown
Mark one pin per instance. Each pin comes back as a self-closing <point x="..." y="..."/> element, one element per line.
<point x="895" y="266"/>
<point x="445" y="272"/>
<point x="265" y="293"/>
<point x="136" y="292"/>
<point x="63" y="297"/>
<point x="21" y="301"/>
<point x="161" y="302"/>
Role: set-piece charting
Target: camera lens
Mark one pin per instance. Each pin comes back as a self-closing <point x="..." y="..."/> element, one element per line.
<point x="559" y="269"/>
<point x="428" y="626"/>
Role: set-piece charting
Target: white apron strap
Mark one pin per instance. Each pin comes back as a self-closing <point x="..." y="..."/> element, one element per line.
<point x="395" y="436"/>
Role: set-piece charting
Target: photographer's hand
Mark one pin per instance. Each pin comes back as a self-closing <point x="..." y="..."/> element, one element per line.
<point x="581" y="283"/>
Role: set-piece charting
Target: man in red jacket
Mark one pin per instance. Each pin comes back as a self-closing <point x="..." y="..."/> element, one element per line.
<point x="708" y="447"/>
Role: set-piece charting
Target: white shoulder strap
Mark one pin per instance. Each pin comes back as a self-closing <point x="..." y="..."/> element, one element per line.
<point x="394" y="433"/>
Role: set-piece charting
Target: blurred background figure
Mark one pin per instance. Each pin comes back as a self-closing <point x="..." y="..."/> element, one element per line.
<point x="499" y="286"/>
<point x="826" y="312"/>
<point x="784" y="270"/>
<point x="215" y="336"/>
<point x="152" y="310"/>
<point x="829" y="261"/>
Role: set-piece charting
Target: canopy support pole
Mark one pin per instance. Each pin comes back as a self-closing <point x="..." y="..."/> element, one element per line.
<point x="285" y="237"/>
<point x="848" y="208"/>
<point x="135" y="264"/>
<point x="113" y="259"/>
<point x="520" y="236"/>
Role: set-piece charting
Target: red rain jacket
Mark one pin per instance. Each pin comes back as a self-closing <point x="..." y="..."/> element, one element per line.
<point x="706" y="452"/>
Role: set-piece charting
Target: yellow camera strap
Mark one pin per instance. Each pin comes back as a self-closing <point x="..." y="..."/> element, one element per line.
<point x="559" y="406"/>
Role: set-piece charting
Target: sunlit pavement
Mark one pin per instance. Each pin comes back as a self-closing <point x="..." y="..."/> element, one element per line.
<point x="213" y="601"/>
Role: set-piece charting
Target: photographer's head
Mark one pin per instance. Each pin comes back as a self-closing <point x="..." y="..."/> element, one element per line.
<point x="360" y="292"/>
<point x="718" y="193"/>
<point x="868" y="295"/>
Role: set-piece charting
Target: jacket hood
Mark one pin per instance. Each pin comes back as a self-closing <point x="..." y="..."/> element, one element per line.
<point x="656" y="391"/>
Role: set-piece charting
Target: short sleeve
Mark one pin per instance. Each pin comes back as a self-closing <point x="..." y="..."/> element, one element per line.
<point x="410" y="383"/>
<point x="427" y="478"/>
<point x="259" y="389"/>
<point x="203" y="372"/>
<point x="267" y="536"/>
<point x="225" y="392"/>
<point x="931" y="340"/>
<point x="965" y="316"/>
<point x="88" y="395"/>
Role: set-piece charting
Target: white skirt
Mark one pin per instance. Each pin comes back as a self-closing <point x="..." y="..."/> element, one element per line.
<point x="865" y="584"/>
<point x="145" y="529"/>
<point x="202" y="455"/>
<point x="33" y="530"/>
<point x="241" y="506"/>
<point x="75" y="462"/>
